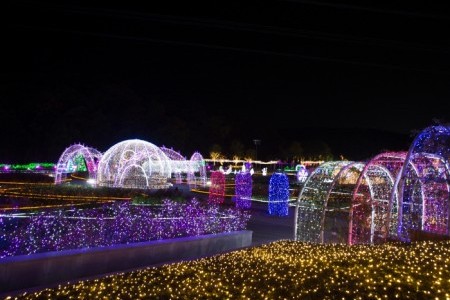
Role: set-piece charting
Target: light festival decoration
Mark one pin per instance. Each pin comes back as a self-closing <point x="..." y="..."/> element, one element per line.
<point x="134" y="164"/>
<point x="373" y="215"/>
<point x="112" y="224"/>
<point x="302" y="173"/>
<point x="243" y="190"/>
<point x="278" y="194"/>
<point x="77" y="155"/>
<point x="281" y="270"/>
<point x="323" y="205"/>
<point x="197" y="170"/>
<point x="424" y="184"/>
<point x="264" y="171"/>
<point x="179" y="164"/>
<point x="217" y="188"/>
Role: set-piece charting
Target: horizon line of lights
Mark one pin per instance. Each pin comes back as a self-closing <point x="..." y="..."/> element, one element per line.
<point x="29" y="166"/>
<point x="260" y="162"/>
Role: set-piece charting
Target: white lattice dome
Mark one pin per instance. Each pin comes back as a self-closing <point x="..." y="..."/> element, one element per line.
<point x="134" y="164"/>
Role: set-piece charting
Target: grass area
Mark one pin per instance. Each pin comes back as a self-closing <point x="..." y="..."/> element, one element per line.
<point x="283" y="270"/>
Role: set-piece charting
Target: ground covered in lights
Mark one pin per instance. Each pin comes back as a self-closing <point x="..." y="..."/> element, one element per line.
<point x="284" y="270"/>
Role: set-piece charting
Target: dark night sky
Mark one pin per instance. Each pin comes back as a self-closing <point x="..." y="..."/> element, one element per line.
<point x="358" y="75"/>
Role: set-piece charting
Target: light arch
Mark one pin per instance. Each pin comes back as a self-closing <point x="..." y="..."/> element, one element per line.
<point x="91" y="157"/>
<point x="373" y="217"/>
<point x="424" y="192"/>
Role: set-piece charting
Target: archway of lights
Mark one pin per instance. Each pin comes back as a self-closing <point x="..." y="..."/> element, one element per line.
<point x="374" y="206"/>
<point x="197" y="167"/>
<point x="324" y="203"/>
<point x="134" y="164"/>
<point x="77" y="158"/>
<point x="424" y="184"/>
<point x="178" y="163"/>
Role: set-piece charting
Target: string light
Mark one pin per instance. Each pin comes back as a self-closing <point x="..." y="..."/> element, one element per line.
<point x="282" y="270"/>
<point x="243" y="190"/>
<point x="217" y="188"/>
<point x="278" y="194"/>
<point x="110" y="224"/>
<point x="134" y="164"/>
<point x="77" y="157"/>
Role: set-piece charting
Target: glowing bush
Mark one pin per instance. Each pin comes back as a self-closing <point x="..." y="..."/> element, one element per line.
<point x="278" y="194"/>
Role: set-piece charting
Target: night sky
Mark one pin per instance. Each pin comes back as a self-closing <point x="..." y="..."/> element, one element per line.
<point x="358" y="76"/>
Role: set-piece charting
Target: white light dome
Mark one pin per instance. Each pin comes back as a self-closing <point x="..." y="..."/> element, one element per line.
<point x="134" y="164"/>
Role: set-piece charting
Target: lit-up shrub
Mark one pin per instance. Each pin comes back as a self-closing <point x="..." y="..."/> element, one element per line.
<point x="278" y="194"/>
<point x="243" y="190"/>
<point x="111" y="224"/>
<point x="217" y="188"/>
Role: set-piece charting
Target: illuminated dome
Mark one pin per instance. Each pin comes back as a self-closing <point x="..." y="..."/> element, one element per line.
<point x="134" y="164"/>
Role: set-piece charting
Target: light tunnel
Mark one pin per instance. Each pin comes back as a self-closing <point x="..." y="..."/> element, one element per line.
<point x="77" y="158"/>
<point x="350" y="202"/>
<point x="424" y="185"/>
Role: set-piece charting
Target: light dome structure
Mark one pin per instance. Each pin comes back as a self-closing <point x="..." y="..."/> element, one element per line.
<point x="76" y="158"/>
<point x="424" y="185"/>
<point x="134" y="164"/>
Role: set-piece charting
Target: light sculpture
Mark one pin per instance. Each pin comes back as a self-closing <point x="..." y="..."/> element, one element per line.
<point x="197" y="166"/>
<point x="424" y="184"/>
<point x="243" y="190"/>
<point x="81" y="153"/>
<point x="134" y="164"/>
<point x="373" y="216"/>
<point x="323" y="205"/>
<point x="217" y="188"/>
<point x="278" y="194"/>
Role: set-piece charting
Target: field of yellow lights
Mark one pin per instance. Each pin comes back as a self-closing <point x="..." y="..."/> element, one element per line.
<point x="283" y="270"/>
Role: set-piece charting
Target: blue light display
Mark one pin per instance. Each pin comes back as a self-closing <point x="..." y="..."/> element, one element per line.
<point x="278" y="194"/>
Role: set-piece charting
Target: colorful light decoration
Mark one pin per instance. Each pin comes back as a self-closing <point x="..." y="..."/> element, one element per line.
<point x="424" y="184"/>
<point x="243" y="190"/>
<point x="134" y="164"/>
<point x="27" y="167"/>
<point x="179" y="164"/>
<point x="278" y="194"/>
<point x="78" y="155"/>
<point x="110" y="224"/>
<point x="302" y="173"/>
<point x="374" y="209"/>
<point x="197" y="166"/>
<point x="217" y="188"/>
<point x="323" y="206"/>
<point x="281" y="270"/>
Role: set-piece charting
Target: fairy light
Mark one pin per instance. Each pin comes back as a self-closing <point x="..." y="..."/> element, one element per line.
<point x="278" y="194"/>
<point x="217" y="188"/>
<point x="424" y="187"/>
<point x="282" y="270"/>
<point x="134" y="164"/>
<point x="77" y="157"/>
<point x="110" y="224"/>
<point x="243" y="190"/>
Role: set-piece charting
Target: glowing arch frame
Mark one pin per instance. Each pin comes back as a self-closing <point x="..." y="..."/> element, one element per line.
<point x="197" y="164"/>
<point x="382" y="198"/>
<point x="424" y="198"/>
<point x="91" y="156"/>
